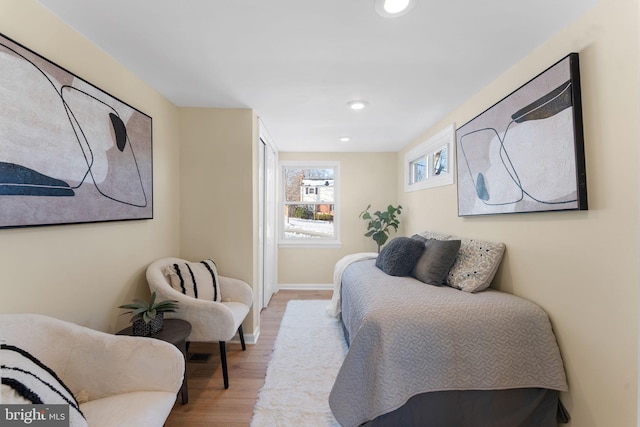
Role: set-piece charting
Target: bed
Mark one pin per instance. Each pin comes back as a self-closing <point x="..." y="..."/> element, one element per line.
<point x="439" y="356"/>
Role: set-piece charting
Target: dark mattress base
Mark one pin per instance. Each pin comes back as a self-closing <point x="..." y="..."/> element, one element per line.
<point x="529" y="407"/>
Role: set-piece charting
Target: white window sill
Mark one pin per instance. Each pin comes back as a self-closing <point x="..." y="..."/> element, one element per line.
<point x="310" y="244"/>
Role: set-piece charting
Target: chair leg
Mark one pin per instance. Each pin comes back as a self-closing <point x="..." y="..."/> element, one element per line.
<point x="223" y="358"/>
<point x="241" y="333"/>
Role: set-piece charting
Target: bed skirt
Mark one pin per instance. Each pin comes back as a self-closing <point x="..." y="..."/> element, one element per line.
<point x="527" y="407"/>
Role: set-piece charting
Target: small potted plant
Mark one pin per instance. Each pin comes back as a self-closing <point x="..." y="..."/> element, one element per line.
<point x="147" y="316"/>
<point x="380" y="223"/>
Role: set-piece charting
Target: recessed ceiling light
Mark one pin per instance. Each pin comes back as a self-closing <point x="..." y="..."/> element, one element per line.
<point x="393" y="8"/>
<point x="345" y="139"/>
<point x="357" y="105"/>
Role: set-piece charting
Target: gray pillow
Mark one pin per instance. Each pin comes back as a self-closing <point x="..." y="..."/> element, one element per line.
<point x="436" y="261"/>
<point x="398" y="257"/>
<point x="419" y="238"/>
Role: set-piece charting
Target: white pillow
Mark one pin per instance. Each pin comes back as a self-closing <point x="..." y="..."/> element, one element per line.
<point x="26" y="380"/>
<point x="196" y="279"/>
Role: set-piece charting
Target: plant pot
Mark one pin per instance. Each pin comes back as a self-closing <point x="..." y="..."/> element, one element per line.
<point x="140" y="328"/>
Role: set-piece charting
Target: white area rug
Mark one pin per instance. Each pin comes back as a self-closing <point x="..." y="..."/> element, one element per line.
<point x="308" y="352"/>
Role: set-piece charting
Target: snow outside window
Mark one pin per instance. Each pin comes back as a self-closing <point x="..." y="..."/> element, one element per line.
<point x="309" y="203"/>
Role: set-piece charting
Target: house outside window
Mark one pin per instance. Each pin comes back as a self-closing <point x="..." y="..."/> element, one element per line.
<point x="309" y="194"/>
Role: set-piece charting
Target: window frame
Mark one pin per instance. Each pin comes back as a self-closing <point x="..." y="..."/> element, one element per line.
<point x="426" y="150"/>
<point x="309" y="242"/>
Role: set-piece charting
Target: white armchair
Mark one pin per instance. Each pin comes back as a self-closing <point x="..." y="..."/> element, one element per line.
<point x="117" y="380"/>
<point x="210" y="321"/>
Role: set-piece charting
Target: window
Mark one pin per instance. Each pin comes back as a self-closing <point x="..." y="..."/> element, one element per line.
<point x="309" y="203"/>
<point x="418" y="169"/>
<point x="429" y="164"/>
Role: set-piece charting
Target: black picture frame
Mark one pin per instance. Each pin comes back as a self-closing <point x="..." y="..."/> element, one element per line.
<point x="71" y="153"/>
<point x="526" y="152"/>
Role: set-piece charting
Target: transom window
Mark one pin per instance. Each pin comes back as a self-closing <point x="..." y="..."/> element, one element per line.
<point x="429" y="164"/>
<point x="309" y="207"/>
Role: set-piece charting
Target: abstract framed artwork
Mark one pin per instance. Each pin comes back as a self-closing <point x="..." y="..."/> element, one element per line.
<point x="526" y="152"/>
<point x="71" y="153"/>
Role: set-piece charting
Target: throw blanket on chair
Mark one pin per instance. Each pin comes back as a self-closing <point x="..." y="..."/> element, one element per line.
<point x="334" y="308"/>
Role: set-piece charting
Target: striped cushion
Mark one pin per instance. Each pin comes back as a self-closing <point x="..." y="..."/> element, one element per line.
<point x="196" y="279"/>
<point x="26" y="380"/>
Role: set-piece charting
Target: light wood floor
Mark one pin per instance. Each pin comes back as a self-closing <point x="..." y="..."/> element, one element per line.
<point x="209" y="403"/>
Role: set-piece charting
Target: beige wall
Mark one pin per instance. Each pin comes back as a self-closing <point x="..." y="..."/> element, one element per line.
<point x="365" y="178"/>
<point x="581" y="267"/>
<point x="83" y="272"/>
<point x="218" y="155"/>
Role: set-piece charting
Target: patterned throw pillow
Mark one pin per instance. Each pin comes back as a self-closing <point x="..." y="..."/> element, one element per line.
<point x="476" y="265"/>
<point x="196" y="279"/>
<point x="26" y="380"/>
<point x="434" y="235"/>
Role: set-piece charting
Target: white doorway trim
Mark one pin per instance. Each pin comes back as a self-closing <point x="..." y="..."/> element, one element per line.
<point x="267" y="229"/>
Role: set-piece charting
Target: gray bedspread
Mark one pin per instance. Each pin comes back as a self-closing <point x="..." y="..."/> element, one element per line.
<point x="407" y="338"/>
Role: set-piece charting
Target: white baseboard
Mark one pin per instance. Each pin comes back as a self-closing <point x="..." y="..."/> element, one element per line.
<point x="306" y="286"/>
<point x="248" y="338"/>
<point x="251" y="338"/>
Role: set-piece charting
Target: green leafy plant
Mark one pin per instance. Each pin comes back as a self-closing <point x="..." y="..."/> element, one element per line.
<point x="380" y="223"/>
<point x="147" y="310"/>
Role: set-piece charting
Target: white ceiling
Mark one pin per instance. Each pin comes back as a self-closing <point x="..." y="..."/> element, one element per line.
<point x="297" y="63"/>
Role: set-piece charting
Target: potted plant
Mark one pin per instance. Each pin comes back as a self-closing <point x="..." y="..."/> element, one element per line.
<point x="380" y="223"/>
<point x="147" y="316"/>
